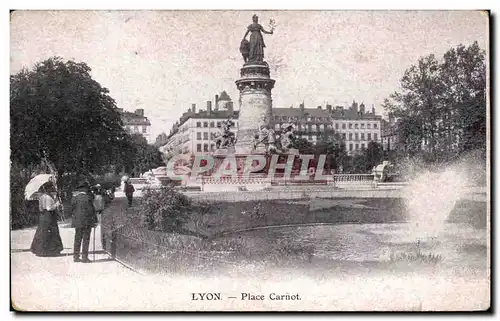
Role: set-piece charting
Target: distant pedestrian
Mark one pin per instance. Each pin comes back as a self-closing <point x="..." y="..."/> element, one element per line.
<point x="84" y="219"/>
<point x="98" y="199"/>
<point x="129" y="192"/>
<point x="47" y="240"/>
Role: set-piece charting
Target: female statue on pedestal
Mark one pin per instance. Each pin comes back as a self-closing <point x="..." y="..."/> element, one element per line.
<point x="253" y="50"/>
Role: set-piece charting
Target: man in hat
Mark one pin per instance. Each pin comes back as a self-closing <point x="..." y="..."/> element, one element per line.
<point x="84" y="218"/>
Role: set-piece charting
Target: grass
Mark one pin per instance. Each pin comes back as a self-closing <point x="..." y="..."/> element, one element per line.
<point x="220" y="218"/>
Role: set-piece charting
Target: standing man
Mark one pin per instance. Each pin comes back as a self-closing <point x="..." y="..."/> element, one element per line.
<point x="129" y="192"/>
<point x="84" y="218"/>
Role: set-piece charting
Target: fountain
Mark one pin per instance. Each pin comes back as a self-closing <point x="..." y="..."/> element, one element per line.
<point x="430" y="198"/>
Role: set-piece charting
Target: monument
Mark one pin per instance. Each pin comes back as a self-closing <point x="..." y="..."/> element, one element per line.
<point x="255" y="134"/>
<point x="255" y="86"/>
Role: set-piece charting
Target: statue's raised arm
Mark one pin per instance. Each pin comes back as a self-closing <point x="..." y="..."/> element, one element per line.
<point x="253" y="50"/>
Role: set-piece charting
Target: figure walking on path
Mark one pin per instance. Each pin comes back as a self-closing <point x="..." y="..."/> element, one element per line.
<point x="47" y="240"/>
<point x="84" y="219"/>
<point x="129" y="192"/>
<point x="98" y="199"/>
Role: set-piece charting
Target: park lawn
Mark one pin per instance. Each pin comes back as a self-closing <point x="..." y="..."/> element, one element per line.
<point x="227" y="217"/>
<point x="214" y="219"/>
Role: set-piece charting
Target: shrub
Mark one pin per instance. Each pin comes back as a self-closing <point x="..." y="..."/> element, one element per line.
<point x="416" y="257"/>
<point x="164" y="209"/>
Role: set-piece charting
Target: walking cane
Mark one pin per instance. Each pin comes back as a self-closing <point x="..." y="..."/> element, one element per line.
<point x="93" y="247"/>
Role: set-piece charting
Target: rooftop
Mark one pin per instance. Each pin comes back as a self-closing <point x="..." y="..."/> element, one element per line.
<point x="129" y="118"/>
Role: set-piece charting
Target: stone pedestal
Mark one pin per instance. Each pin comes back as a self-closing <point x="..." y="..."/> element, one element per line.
<point x="255" y="87"/>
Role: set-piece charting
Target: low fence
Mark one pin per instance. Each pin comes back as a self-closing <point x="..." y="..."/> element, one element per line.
<point x="351" y="179"/>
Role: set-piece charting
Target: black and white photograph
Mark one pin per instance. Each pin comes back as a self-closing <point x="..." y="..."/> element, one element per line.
<point x="250" y="160"/>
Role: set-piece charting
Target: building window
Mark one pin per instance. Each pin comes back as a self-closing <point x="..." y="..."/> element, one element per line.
<point x="198" y="124"/>
<point x="375" y="125"/>
<point x="343" y="126"/>
<point x="356" y="137"/>
<point x="205" y="136"/>
<point x="368" y="125"/>
<point x="362" y="146"/>
<point x="317" y="128"/>
<point x="144" y="129"/>
<point x="350" y="146"/>
<point x="198" y="147"/>
<point x="337" y="126"/>
<point x="212" y="147"/>
<point x="357" y="146"/>
<point x="205" y="124"/>
<point x="136" y="129"/>
<point x="198" y="136"/>
<point x="362" y="136"/>
<point x="309" y="128"/>
<point x="218" y="124"/>
<point x="205" y="147"/>
<point x="369" y="136"/>
<point x="356" y="126"/>
<point x="344" y="136"/>
<point x="375" y="137"/>
<point x="363" y="126"/>
<point x="350" y="125"/>
<point x="212" y="124"/>
<point x="350" y="136"/>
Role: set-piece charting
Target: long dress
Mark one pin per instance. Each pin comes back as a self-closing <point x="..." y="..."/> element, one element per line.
<point x="47" y="240"/>
<point x="256" y="43"/>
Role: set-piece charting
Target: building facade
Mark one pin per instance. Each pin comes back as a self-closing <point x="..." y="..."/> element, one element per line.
<point x="195" y="131"/>
<point x="355" y="126"/>
<point x="136" y="123"/>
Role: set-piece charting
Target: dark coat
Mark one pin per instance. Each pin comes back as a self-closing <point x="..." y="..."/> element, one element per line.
<point x="82" y="210"/>
<point x="129" y="190"/>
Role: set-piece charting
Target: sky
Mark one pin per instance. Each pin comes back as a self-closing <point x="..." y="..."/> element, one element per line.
<point x="165" y="60"/>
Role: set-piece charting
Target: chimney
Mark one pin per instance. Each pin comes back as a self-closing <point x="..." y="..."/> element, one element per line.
<point x="329" y="108"/>
<point x="302" y="106"/>
<point x="229" y="106"/>
<point x="216" y="102"/>
<point x="139" y="112"/>
<point x="373" y="109"/>
<point x="362" y="108"/>
<point x="209" y="106"/>
<point x="193" y="108"/>
<point x="391" y="118"/>
<point x="354" y="106"/>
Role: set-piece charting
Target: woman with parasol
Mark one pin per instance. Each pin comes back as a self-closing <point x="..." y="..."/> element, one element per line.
<point x="47" y="241"/>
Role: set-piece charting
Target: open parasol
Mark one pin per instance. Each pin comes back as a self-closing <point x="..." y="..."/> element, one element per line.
<point x="35" y="184"/>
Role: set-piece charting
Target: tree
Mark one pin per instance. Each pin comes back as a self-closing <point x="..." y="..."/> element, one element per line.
<point x="161" y="140"/>
<point x="333" y="146"/>
<point x="145" y="156"/>
<point x="374" y="155"/>
<point x="302" y="145"/>
<point x="441" y="108"/>
<point x="58" y="112"/>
